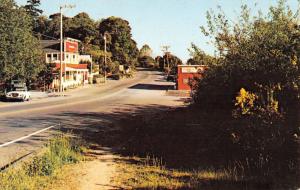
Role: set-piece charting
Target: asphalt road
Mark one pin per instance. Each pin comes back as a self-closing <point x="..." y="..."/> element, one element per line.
<point x="77" y="108"/>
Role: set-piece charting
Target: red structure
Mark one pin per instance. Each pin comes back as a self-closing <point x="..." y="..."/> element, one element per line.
<point x="71" y="46"/>
<point x="186" y="75"/>
<point x="74" y="72"/>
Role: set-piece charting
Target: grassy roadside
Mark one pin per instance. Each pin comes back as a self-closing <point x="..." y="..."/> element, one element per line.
<point x="45" y="168"/>
<point x="150" y="173"/>
<point x="194" y="152"/>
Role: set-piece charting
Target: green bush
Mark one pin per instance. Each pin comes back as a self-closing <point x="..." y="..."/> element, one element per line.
<point x="36" y="174"/>
<point x="259" y="54"/>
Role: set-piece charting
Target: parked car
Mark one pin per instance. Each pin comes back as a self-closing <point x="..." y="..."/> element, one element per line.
<point x="18" y="94"/>
<point x="18" y="91"/>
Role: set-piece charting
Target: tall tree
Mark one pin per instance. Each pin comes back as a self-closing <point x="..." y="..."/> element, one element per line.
<point x="20" y="55"/>
<point x="145" y="58"/>
<point x="145" y="51"/>
<point x="120" y="43"/>
<point x="32" y="7"/>
<point x="81" y="27"/>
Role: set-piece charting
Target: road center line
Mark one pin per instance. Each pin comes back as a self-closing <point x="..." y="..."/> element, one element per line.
<point x="25" y="137"/>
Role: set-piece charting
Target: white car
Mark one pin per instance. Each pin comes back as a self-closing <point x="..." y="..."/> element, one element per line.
<point x="18" y="94"/>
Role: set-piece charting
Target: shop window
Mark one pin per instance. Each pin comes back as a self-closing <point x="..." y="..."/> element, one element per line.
<point x="48" y="58"/>
<point x="55" y="57"/>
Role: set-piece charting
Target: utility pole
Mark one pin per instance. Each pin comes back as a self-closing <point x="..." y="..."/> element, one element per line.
<point x="61" y="89"/>
<point x="104" y="37"/>
<point x="166" y="52"/>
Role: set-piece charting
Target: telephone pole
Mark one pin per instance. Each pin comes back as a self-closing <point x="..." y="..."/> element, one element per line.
<point x="61" y="89"/>
<point x="105" y="56"/>
<point x="165" y="50"/>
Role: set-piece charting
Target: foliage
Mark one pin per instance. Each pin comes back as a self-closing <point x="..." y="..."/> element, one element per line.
<point x="199" y="57"/>
<point x="145" y="51"/>
<point x="146" y="61"/>
<point x="43" y="168"/>
<point x="20" y="55"/>
<point x="119" y="40"/>
<point x="245" y="101"/>
<point x="168" y="63"/>
<point x="45" y="77"/>
<point x="121" y="48"/>
<point x="32" y="8"/>
<point x="145" y="57"/>
<point x="81" y="27"/>
<point x="248" y="152"/>
<point x="259" y="54"/>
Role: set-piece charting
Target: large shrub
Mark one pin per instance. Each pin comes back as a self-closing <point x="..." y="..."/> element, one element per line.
<point x="258" y="63"/>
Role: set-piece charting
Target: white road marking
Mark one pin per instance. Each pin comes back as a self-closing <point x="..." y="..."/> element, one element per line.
<point x="25" y="137"/>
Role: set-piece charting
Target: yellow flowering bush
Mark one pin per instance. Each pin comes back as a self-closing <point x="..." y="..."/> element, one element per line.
<point x="245" y="101"/>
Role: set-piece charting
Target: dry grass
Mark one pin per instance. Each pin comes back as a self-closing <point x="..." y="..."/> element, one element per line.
<point x="148" y="173"/>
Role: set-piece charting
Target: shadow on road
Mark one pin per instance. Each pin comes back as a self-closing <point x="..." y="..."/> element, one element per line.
<point x="134" y="130"/>
<point x="152" y="87"/>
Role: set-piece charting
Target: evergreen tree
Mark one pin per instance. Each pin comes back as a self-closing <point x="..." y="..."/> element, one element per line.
<point x="32" y="8"/>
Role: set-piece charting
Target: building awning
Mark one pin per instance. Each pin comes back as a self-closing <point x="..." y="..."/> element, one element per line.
<point x="72" y="67"/>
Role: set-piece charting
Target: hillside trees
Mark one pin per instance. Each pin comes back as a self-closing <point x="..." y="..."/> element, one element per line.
<point x="20" y="55"/>
<point x="120" y="44"/>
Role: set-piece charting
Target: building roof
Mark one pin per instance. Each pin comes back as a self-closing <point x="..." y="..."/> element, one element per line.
<point x="50" y="45"/>
<point x="54" y="45"/>
<point x="192" y="65"/>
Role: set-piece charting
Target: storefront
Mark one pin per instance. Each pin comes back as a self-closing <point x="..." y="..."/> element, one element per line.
<point x="73" y="72"/>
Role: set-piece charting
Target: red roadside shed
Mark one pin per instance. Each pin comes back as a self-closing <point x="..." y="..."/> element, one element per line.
<point x="186" y="74"/>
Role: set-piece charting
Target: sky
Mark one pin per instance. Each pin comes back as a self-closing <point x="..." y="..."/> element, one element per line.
<point x="175" y="23"/>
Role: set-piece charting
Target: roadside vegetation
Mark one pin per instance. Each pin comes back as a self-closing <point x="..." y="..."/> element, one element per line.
<point x="244" y="114"/>
<point x="44" y="169"/>
<point x="151" y="173"/>
<point x="20" y="55"/>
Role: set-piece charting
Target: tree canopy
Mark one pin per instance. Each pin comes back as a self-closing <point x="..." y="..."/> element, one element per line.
<point x="199" y="57"/>
<point x="20" y="55"/>
<point x="32" y="7"/>
<point x="168" y="62"/>
<point x="257" y="53"/>
<point x="120" y="43"/>
<point x="145" y="51"/>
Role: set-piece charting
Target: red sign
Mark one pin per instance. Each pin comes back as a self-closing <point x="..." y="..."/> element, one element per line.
<point x="71" y="47"/>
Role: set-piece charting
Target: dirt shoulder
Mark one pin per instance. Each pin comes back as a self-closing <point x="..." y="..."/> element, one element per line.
<point x="102" y="130"/>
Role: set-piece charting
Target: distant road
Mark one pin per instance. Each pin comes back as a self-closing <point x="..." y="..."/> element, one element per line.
<point x="20" y="119"/>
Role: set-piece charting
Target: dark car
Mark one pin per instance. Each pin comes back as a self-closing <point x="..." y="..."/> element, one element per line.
<point x="171" y="78"/>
